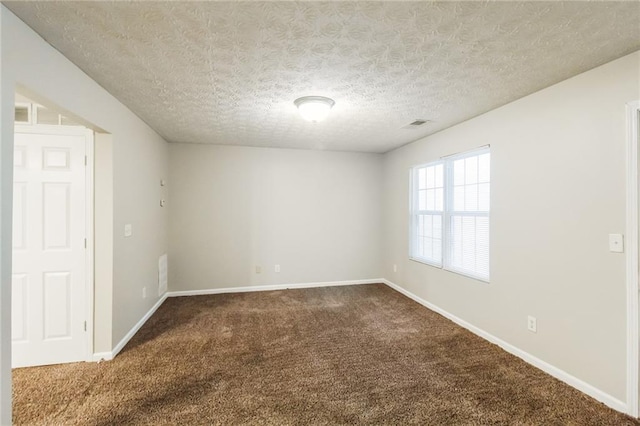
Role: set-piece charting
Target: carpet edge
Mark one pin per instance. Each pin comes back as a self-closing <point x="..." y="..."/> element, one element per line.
<point x="109" y="355"/>
<point x="271" y="287"/>
<point x="550" y="369"/>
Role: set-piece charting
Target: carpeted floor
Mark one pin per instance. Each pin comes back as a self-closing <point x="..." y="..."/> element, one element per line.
<point x="339" y="355"/>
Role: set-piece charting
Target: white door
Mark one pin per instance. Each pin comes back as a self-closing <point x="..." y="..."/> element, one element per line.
<point x="49" y="229"/>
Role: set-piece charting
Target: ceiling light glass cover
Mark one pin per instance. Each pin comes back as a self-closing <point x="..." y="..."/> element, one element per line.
<point x="314" y="108"/>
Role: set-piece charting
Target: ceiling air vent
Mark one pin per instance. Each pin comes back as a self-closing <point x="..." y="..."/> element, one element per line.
<point x="416" y="123"/>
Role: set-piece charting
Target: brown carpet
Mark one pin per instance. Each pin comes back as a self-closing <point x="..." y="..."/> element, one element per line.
<point x="341" y="355"/>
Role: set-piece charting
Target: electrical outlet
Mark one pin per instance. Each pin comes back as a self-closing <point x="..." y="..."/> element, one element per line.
<point x="128" y="230"/>
<point x="277" y="268"/>
<point x="532" y="324"/>
<point x="258" y="269"/>
<point x="395" y="268"/>
<point x="616" y="243"/>
<point x="144" y="292"/>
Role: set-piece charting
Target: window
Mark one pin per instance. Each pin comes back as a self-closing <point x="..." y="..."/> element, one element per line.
<point x="450" y="213"/>
<point x="29" y="113"/>
<point x="22" y="113"/>
<point x="46" y="116"/>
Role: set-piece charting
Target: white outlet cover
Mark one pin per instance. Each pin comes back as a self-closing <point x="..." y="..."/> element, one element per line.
<point x="128" y="230"/>
<point x="277" y="268"/>
<point x="532" y="324"/>
<point x="616" y="243"/>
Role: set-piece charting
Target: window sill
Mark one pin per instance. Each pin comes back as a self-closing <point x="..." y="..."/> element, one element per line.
<point x="455" y="271"/>
<point x="426" y="262"/>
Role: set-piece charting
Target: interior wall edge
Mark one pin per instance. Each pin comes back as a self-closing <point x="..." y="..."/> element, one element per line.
<point x="7" y="93"/>
<point x="123" y="342"/>
<point x="28" y="60"/>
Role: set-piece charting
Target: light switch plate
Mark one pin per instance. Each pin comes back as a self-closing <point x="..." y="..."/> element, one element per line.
<point x="128" y="230"/>
<point x="616" y="243"/>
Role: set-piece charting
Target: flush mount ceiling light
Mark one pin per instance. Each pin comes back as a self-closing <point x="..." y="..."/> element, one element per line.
<point x="314" y="108"/>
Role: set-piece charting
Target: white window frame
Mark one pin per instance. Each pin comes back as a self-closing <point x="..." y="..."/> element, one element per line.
<point x="29" y="112"/>
<point x="447" y="214"/>
<point x="415" y="213"/>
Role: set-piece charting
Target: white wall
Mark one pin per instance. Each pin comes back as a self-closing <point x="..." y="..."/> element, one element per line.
<point x="315" y="213"/>
<point x="6" y="210"/>
<point x="558" y="190"/>
<point x="103" y="243"/>
<point x="140" y="160"/>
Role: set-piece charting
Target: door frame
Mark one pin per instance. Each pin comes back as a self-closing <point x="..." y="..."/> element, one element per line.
<point x="89" y="215"/>
<point x="632" y="261"/>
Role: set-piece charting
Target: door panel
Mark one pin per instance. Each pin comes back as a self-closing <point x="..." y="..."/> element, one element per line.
<point x="19" y="311"/>
<point x="56" y="212"/>
<point x="19" y="215"/>
<point x="49" y="226"/>
<point x="57" y="306"/>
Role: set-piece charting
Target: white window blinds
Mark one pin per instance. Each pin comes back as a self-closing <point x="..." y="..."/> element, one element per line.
<point x="450" y="213"/>
<point x="428" y="213"/>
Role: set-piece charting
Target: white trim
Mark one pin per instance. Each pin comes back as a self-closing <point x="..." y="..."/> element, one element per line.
<point x="556" y="372"/>
<point x="633" y="338"/>
<point x="573" y="381"/>
<point x="89" y="251"/>
<point x="50" y="129"/>
<point x="107" y="356"/>
<point x="102" y="356"/>
<point x="462" y="154"/>
<point x="116" y="350"/>
<point x="270" y="287"/>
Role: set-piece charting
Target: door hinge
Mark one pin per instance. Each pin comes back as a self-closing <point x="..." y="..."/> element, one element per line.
<point x="85" y="160"/>
<point x="85" y="326"/>
<point x="85" y="243"/>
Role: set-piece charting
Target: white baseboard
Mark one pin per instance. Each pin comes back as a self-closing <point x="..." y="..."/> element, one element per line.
<point x="107" y="356"/>
<point x="559" y="374"/>
<point x="556" y="372"/>
<point x="270" y="287"/>
<point x="102" y="356"/>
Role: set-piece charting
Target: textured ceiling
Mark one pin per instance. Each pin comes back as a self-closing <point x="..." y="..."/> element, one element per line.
<point x="228" y="72"/>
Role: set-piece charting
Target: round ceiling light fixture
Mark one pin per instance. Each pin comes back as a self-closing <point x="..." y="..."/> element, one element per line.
<point x="314" y="108"/>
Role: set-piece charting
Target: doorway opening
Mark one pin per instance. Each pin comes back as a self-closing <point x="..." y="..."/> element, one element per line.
<point x="52" y="267"/>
